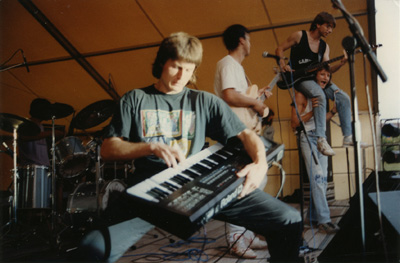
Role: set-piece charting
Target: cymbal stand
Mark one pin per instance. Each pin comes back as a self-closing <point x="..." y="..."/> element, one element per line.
<point x="98" y="176"/>
<point x="53" y="173"/>
<point x="15" y="195"/>
<point x="14" y="198"/>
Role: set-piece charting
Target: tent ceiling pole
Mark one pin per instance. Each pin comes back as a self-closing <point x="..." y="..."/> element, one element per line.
<point x="45" y="22"/>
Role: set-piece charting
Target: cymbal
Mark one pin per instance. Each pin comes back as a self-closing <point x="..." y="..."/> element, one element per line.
<point x="25" y="127"/>
<point x="56" y="110"/>
<point x="94" y="114"/>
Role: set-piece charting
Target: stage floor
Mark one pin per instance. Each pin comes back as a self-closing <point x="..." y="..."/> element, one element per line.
<point x="156" y="246"/>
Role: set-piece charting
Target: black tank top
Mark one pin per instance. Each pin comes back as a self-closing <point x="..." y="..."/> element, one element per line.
<point x="302" y="56"/>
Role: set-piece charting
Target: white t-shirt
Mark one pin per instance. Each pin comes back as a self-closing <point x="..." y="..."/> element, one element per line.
<point x="229" y="74"/>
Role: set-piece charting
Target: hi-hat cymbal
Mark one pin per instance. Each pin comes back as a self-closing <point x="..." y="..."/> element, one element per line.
<point x="94" y="114"/>
<point x="25" y="127"/>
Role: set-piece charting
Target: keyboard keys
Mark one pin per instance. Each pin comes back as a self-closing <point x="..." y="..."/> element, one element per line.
<point x="163" y="184"/>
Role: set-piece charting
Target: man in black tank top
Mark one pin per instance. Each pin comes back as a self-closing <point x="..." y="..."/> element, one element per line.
<point x="302" y="56"/>
<point x="307" y="47"/>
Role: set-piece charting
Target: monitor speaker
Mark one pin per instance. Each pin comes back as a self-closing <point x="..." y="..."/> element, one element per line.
<point x="380" y="246"/>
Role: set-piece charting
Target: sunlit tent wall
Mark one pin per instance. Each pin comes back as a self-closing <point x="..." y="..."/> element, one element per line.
<point x="81" y="52"/>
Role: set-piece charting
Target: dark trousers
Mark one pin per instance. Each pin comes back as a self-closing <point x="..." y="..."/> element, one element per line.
<point x="258" y="211"/>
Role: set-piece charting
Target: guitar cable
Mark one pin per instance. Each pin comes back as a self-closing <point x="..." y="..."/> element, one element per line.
<point x="283" y="174"/>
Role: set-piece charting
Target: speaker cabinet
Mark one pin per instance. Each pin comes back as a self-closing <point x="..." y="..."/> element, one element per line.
<point x="380" y="246"/>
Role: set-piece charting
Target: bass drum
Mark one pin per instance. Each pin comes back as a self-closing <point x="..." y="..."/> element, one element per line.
<point x="83" y="204"/>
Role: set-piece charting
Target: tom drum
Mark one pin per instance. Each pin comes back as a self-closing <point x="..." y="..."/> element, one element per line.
<point x="72" y="157"/>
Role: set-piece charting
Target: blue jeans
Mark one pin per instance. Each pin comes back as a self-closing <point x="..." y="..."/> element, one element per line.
<point x="343" y="105"/>
<point x="318" y="177"/>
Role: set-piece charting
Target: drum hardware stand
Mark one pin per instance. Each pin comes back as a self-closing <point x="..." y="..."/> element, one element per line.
<point x="14" y="199"/>
<point x="54" y="214"/>
<point x="15" y="177"/>
<point x="97" y="180"/>
<point x="53" y="173"/>
<point x="98" y="177"/>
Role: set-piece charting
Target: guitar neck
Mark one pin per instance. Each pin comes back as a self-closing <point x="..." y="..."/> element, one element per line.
<point x="302" y="73"/>
<point x="271" y="85"/>
<point x="274" y="81"/>
<point x="322" y="64"/>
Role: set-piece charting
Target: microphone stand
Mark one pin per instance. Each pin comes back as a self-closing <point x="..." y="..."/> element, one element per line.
<point x="292" y="94"/>
<point x="350" y="43"/>
<point x="300" y="130"/>
<point x="358" y="34"/>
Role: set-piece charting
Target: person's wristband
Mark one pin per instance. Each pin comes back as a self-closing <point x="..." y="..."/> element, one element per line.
<point x="333" y="113"/>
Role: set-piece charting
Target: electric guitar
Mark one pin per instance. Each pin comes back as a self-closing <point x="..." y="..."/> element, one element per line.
<point x="248" y="116"/>
<point x="307" y="72"/>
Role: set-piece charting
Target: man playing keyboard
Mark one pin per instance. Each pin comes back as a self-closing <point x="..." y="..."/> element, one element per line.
<point x="161" y="125"/>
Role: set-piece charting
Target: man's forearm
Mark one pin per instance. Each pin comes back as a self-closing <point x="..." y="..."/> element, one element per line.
<point x="336" y="67"/>
<point x="236" y="99"/>
<point x="253" y="146"/>
<point x="114" y="149"/>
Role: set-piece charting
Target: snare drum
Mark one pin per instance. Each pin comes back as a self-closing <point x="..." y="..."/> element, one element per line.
<point x="34" y="187"/>
<point x="72" y="157"/>
<point x="116" y="170"/>
<point x="84" y="198"/>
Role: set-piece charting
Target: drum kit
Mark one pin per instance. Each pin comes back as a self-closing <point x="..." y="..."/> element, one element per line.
<point x="34" y="186"/>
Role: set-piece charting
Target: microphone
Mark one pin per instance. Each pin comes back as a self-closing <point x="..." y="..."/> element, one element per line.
<point x="376" y="46"/>
<point x="265" y="54"/>
<point x="26" y="64"/>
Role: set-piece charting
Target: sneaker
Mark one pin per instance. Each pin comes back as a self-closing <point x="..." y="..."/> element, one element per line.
<point x="324" y="148"/>
<point x="328" y="228"/>
<point x="258" y="243"/>
<point x="348" y="141"/>
<point x="241" y="249"/>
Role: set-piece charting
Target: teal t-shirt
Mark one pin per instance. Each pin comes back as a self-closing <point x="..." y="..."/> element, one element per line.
<point x="184" y="119"/>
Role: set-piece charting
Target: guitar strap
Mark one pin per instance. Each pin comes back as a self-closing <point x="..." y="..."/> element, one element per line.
<point x="253" y="126"/>
<point x="249" y="84"/>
